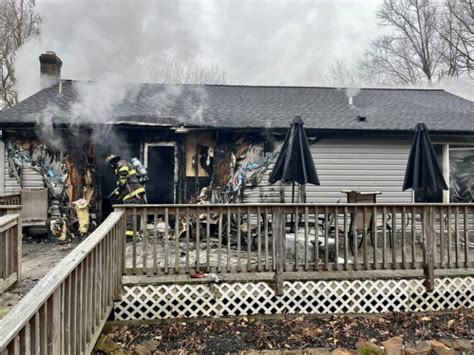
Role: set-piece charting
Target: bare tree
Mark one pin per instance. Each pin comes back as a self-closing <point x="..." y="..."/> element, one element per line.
<point x="390" y="61"/>
<point x="457" y="31"/>
<point x="342" y="75"/>
<point x="18" y="21"/>
<point x="169" y="69"/>
<point x="412" y="51"/>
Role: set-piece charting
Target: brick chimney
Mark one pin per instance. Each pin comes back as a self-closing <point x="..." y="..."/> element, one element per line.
<point x="50" y="69"/>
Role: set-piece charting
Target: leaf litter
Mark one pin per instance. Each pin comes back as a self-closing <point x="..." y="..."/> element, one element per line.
<point x="293" y="332"/>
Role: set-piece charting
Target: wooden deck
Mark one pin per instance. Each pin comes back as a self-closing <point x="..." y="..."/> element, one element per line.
<point x="38" y="259"/>
<point x="261" y="238"/>
<point x="65" y="311"/>
<point x="145" y="255"/>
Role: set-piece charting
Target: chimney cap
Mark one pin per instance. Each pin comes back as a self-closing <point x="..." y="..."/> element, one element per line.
<point x="50" y="57"/>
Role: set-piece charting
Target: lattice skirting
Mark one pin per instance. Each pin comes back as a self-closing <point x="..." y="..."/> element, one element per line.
<point x="319" y="297"/>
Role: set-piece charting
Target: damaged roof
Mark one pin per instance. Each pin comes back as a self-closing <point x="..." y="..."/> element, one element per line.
<point x="236" y="106"/>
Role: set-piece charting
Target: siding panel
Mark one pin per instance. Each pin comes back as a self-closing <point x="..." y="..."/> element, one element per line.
<point x="12" y="186"/>
<point x="363" y="165"/>
<point x="30" y="178"/>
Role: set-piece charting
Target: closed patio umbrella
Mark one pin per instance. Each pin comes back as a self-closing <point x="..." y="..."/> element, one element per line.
<point x="295" y="163"/>
<point x="424" y="172"/>
<point x="423" y="169"/>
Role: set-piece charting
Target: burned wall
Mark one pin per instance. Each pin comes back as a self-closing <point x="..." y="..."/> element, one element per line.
<point x="132" y="140"/>
<point x="198" y="164"/>
<point x="229" y="161"/>
<point x="68" y="174"/>
<point x="213" y="165"/>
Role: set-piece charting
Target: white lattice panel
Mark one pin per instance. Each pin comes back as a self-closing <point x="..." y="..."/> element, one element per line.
<point x="311" y="297"/>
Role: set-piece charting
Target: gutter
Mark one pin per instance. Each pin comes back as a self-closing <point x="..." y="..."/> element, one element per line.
<point x="327" y="132"/>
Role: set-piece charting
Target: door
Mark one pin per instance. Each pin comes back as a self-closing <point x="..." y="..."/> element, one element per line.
<point x="161" y="165"/>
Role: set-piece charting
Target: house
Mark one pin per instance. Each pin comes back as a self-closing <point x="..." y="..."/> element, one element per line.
<point x="226" y="137"/>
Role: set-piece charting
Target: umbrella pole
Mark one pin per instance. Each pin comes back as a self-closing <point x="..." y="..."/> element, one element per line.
<point x="293" y="201"/>
<point x="282" y="192"/>
<point x="293" y="192"/>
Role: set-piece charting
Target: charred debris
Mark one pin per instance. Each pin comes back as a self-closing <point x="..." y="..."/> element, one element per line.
<point x="219" y="166"/>
<point x="68" y="173"/>
<point x="212" y="167"/>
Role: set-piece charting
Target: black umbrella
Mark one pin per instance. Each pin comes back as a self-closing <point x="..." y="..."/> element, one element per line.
<point x="424" y="172"/>
<point x="423" y="169"/>
<point x="295" y="163"/>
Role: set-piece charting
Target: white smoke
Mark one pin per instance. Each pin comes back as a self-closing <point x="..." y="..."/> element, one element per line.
<point x="97" y="100"/>
<point x="98" y="39"/>
<point x="109" y="43"/>
<point x="292" y="44"/>
<point x="45" y="127"/>
<point x="463" y="87"/>
<point x="163" y="101"/>
<point x="352" y="92"/>
<point x="102" y="43"/>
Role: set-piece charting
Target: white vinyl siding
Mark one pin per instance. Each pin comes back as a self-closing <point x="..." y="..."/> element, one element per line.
<point x="30" y="178"/>
<point x="12" y="186"/>
<point x="343" y="164"/>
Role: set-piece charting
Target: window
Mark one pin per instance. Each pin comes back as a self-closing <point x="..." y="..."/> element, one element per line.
<point x="461" y="173"/>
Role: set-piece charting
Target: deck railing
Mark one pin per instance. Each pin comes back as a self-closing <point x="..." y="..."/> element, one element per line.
<point x="9" y="209"/>
<point x="10" y="251"/>
<point x="243" y="238"/>
<point x="8" y="200"/>
<point x="65" y="312"/>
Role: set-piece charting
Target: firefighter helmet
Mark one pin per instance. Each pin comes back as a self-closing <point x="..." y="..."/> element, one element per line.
<point x="112" y="159"/>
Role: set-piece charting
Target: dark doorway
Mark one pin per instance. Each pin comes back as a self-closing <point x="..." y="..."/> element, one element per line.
<point x="160" y="166"/>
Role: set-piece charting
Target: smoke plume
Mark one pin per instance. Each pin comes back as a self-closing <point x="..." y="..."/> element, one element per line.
<point x="293" y="44"/>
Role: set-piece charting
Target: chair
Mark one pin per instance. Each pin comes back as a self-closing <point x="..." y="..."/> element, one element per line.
<point x="358" y="223"/>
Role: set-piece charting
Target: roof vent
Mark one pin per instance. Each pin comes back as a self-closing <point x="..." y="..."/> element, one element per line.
<point x="60" y="88"/>
<point x="361" y="118"/>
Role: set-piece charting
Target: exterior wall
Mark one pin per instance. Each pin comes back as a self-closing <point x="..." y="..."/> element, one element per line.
<point x="12" y="186"/>
<point x="346" y="164"/>
<point x="2" y="170"/>
<point x="30" y="178"/>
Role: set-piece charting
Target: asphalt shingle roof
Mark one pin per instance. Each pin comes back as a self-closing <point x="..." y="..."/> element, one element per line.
<point x="235" y="106"/>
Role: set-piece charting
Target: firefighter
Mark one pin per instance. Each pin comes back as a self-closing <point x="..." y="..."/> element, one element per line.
<point x="129" y="190"/>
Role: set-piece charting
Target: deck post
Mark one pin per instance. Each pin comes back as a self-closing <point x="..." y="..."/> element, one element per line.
<point x="19" y="249"/>
<point x="120" y="243"/>
<point x="279" y="235"/>
<point x="428" y="268"/>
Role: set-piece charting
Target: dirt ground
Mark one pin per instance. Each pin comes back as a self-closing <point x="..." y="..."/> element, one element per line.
<point x="296" y="333"/>
<point x="38" y="258"/>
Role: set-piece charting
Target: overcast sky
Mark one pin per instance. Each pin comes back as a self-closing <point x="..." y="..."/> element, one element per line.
<point x="291" y="42"/>
<point x="256" y="42"/>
